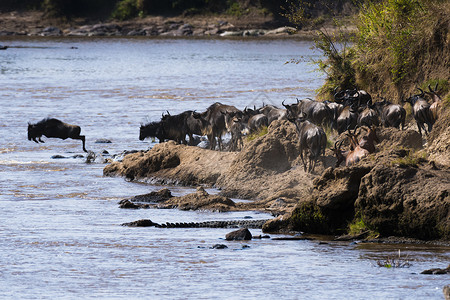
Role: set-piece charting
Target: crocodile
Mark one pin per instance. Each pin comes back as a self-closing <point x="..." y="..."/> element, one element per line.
<point x="255" y="224"/>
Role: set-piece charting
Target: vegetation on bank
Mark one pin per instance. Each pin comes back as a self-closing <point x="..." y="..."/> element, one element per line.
<point x="398" y="45"/>
<point x="125" y="9"/>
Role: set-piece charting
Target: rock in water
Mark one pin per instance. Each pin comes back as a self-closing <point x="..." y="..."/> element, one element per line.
<point x="219" y="246"/>
<point x="242" y="234"/>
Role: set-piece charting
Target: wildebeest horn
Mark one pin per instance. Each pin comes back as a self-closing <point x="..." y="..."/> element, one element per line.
<point x="337" y="97"/>
<point x="435" y="88"/>
<point x="336" y="146"/>
<point x="421" y="91"/>
<point x="168" y="113"/>
<point x="282" y="103"/>
<point x="298" y="101"/>
<point x="335" y="89"/>
<point x="365" y="128"/>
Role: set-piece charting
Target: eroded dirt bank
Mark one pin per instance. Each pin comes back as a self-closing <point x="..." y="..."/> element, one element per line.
<point x="266" y="169"/>
<point x="401" y="190"/>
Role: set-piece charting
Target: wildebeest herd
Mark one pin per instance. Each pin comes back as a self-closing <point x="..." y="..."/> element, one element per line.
<point x="351" y="109"/>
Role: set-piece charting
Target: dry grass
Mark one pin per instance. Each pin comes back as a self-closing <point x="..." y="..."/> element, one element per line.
<point x="423" y="34"/>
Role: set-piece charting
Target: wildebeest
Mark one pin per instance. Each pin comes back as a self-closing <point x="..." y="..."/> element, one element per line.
<point x="313" y="140"/>
<point x="194" y="125"/>
<point x="336" y="109"/>
<point x="273" y="113"/>
<point x="352" y="156"/>
<point x="421" y="112"/>
<point x="254" y="120"/>
<point x="219" y="117"/>
<point x="317" y="112"/>
<point x="391" y="115"/>
<point x="368" y="116"/>
<point x="348" y="118"/>
<point x="356" y="97"/>
<point x="236" y="129"/>
<point x="152" y="129"/>
<point x="436" y="101"/>
<point x="54" y="128"/>
<point x="174" y="127"/>
<point x="368" y="140"/>
<point x="257" y="122"/>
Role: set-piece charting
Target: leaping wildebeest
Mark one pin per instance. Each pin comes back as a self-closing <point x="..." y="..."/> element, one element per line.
<point x="54" y="128"/>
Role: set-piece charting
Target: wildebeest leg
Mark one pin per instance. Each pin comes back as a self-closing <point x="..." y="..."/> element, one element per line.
<point x="83" y="139"/>
<point x="212" y="141"/>
<point x="303" y="161"/>
<point x="39" y="139"/>
<point x="219" y="140"/>
<point x="430" y="127"/>
<point x="312" y="163"/>
<point x="34" y="139"/>
<point x="418" y="126"/>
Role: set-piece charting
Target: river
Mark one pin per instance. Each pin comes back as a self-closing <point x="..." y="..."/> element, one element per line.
<point x="60" y="231"/>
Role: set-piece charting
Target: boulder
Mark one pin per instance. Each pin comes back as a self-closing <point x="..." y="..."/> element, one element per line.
<point x="437" y="271"/>
<point x="51" y="31"/>
<point x="154" y="197"/>
<point x="412" y="201"/>
<point x="128" y="204"/>
<point x="199" y="200"/>
<point x="242" y="234"/>
<point x="282" y="31"/>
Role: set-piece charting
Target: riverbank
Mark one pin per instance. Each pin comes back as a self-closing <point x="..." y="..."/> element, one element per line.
<point x="400" y="190"/>
<point x="34" y="23"/>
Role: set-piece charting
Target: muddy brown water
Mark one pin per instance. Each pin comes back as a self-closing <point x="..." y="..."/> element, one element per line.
<point x="60" y="234"/>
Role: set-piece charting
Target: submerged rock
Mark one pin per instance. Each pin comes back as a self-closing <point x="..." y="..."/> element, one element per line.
<point x="219" y="246"/>
<point x="154" y="197"/>
<point x="242" y="234"/>
<point x="437" y="271"/>
<point x="199" y="200"/>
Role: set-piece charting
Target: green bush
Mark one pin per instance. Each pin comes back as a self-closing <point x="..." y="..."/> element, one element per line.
<point x="126" y="9"/>
<point x="398" y="45"/>
<point x="262" y="131"/>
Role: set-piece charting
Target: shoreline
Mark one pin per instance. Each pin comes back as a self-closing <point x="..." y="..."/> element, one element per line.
<point x="324" y="202"/>
<point x="34" y="24"/>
